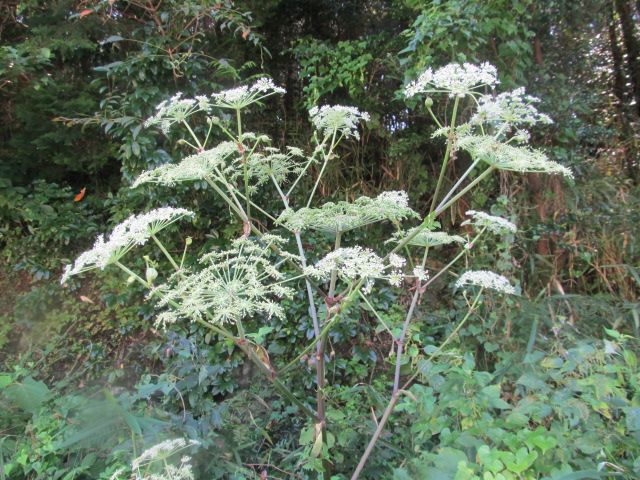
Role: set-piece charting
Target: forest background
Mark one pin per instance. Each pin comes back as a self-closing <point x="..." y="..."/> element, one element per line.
<point x="552" y="376"/>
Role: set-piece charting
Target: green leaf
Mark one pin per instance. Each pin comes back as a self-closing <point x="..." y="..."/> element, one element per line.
<point x="28" y="395"/>
<point x="519" y="462"/>
<point x="586" y="474"/>
<point x="633" y="418"/>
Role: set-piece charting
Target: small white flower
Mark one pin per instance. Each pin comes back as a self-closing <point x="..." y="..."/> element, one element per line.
<point x="338" y="118"/>
<point x="117" y="475"/>
<point x="454" y="79"/>
<point x="135" y="230"/>
<point x="521" y="136"/>
<point x="397" y="261"/>
<point x="497" y="225"/>
<point x="395" y="278"/>
<point x="421" y="274"/>
<point x="486" y="279"/>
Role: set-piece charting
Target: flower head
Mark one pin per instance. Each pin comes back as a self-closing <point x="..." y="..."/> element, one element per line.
<point x="338" y="118"/>
<point x="454" y="79"/>
<point x="497" y="225"/>
<point x="274" y="165"/>
<point x="241" y="97"/>
<point x="235" y="283"/>
<point x="486" y="279"/>
<point x="135" y="230"/>
<point x="351" y="263"/>
<point x="194" y="167"/>
<point x="509" y="109"/>
<point x="174" y="110"/>
<point x="344" y="216"/>
<point x="508" y="157"/>
<point x="357" y="263"/>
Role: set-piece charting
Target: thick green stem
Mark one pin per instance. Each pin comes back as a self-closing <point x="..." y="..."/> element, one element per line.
<point x="458" y="183"/>
<point x="403" y="334"/>
<point x="165" y="252"/>
<point x="245" y="166"/>
<point x="327" y="157"/>
<point x="462" y="192"/>
<point x="320" y="365"/>
<point x="447" y="153"/>
<point x="193" y="135"/>
<point x="233" y="205"/>
<point x="315" y="186"/>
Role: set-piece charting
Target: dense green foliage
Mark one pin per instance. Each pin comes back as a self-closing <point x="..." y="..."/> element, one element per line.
<point x="542" y="386"/>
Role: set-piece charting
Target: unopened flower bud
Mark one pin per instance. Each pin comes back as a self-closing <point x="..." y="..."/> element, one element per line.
<point x="131" y="279"/>
<point x="188" y="241"/>
<point x="151" y="274"/>
<point x="428" y="102"/>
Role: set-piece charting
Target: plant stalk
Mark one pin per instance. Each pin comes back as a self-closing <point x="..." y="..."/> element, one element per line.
<point x="396" y="395"/>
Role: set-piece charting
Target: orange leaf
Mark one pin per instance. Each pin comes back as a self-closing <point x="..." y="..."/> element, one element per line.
<point x="86" y="12"/>
<point x="245" y="34"/>
<point x="80" y="196"/>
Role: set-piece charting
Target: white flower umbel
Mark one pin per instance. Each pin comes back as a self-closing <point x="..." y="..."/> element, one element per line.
<point x="454" y="79"/>
<point x="509" y="109"/>
<point x="425" y="238"/>
<point x="486" y="279"/>
<point x="135" y="230"/>
<point x="235" y="283"/>
<point x="351" y="263"/>
<point x="340" y="217"/>
<point x="497" y="225"/>
<point x="175" y="110"/>
<point x="357" y="263"/>
<point x="162" y="451"/>
<point x="193" y="167"/>
<point x="274" y="165"/>
<point x="508" y="157"/>
<point x="241" y="97"/>
<point x="338" y="118"/>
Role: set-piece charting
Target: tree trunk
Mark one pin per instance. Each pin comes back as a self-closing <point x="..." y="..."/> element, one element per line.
<point x="625" y="112"/>
<point x="632" y="46"/>
<point x="619" y="84"/>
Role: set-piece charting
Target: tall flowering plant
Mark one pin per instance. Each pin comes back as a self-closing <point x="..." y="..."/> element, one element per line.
<point x="249" y="278"/>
